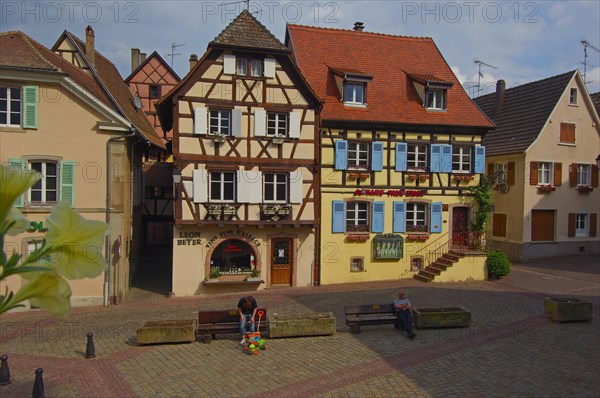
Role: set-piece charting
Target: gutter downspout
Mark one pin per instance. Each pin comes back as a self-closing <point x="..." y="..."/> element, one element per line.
<point x="107" y="215"/>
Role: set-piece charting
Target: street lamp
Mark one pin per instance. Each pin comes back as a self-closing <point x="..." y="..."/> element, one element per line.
<point x="176" y="175"/>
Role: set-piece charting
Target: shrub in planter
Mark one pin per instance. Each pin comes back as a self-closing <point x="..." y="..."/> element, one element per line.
<point x="498" y="264"/>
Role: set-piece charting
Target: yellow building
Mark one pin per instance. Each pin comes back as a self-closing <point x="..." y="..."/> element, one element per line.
<point x="400" y="147"/>
<point x="545" y="149"/>
<point x="60" y="121"/>
<point x="245" y="128"/>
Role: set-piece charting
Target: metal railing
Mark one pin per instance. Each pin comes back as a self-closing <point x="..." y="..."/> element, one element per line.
<point x="464" y="243"/>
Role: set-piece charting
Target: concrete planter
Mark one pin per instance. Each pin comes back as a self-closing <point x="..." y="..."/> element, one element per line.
<point x="314" y="324"/>
<point x="176" y="331"/>
<point x="568" y="309"/>
<point x="447" y="317"/>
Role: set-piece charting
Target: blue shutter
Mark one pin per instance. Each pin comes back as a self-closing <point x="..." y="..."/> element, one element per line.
<point x="377" y="156"/>
<point x="338" y="216"/>
<point x="479" y="160"/>
<point x="67" y="182"/>
<point x="399" y="217"/>
<point x="30" y="107"/>
<point x="16" y="165"/>
<point x="341" y="154"/>
<point x="436" y="217"/>
<point x="378" y="216"/>
<point x="401" y="153"/>
<point x="446" y="166"/>
<point x="435" y="162"/>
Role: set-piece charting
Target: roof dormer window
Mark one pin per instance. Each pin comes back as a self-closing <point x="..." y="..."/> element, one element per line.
<point x="352" y="86"/>
<point x="354" y="93"/>
<point x="435" y="98"/>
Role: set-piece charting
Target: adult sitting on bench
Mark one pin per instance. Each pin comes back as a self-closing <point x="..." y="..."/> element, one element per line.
<point x="247" y="307"/>
<point x="403" y="312"/>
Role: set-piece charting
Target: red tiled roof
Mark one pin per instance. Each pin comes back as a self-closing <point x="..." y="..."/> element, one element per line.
<point x="392" y="97"/>
<point x="20" y="51"/>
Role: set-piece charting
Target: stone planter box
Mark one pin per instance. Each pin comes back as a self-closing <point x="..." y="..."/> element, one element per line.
<point x="312" y="324"/>
<point x="568" y="309"/>
<point x="446" y="317"/>
<point x="175" y="331"/>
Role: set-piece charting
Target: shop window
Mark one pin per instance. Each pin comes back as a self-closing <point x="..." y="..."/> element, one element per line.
<point x="232" y="257"/>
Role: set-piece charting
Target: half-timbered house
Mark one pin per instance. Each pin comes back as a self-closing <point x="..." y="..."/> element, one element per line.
<point x="400" y="148"/>
<point x="245" y="127"/>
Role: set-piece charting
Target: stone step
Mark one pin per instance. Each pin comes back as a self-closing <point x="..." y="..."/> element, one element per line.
<point x="440" y="265"/>
<point x="456" y="253"/>
<point x="435" y="271"/>
<point x="452" y="257"/>
<point x="443" y="260"/>
<point x="422" y="278"/>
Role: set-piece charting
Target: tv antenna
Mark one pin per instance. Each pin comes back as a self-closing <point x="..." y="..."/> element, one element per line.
<point x="479" y="74"/>
<point x="173" y="53"/>
<point x="586" y="44"/>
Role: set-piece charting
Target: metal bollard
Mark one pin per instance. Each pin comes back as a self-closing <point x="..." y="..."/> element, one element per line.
<point x="90" y="351"/>
<point x="38" y="385"/>
<point x="4" y="371"/>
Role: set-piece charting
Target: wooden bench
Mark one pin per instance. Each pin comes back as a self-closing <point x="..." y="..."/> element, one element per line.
<point x="213" y="322"/>
<point x="370" y="314"/>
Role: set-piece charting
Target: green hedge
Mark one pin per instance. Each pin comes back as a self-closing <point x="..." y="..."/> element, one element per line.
<point x="498" y="264"/>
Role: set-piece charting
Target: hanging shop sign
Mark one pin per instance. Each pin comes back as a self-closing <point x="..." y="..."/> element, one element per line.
<point x="388" y="247"/>
<point x="36" y="226"/>
<point x="414" y="193"/>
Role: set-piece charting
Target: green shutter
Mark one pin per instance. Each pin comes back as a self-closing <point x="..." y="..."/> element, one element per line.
<point x="67" y="182"/>
<point x="30" y="107"/>
<point x="15" y="165"/>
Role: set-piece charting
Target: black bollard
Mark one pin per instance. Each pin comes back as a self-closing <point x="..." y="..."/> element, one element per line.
<point x="90" y="351"/>
<point x="38" y="385"/>
<point x="4" y="371"/>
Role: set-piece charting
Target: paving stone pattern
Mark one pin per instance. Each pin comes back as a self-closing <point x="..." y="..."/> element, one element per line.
<point x="511" y="348"/>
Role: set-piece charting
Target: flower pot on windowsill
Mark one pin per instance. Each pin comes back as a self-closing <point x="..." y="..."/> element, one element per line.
<point x="417" y="236"/>
<point x="462" y="177"/>
<point x="276" y="210"/>
<point x="546" y="188"/>
<point x="360" y="176"/>
<point x="218" y="137"/>
<point x="278" y="140"/>
<point x="584" y="188"/>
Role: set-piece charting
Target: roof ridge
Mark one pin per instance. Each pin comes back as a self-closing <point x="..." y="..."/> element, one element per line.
<point x="238" y="20"/>
<point x="362" y="32"/>
<point x="524" y="85"/>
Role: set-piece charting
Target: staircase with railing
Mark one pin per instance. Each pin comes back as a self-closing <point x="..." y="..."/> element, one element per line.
<point x="445" y="251"/>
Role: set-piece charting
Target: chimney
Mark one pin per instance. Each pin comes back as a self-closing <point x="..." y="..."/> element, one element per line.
<point x="90" y="45"/>
<point x="193" y="60"/>
<point x="359" y="26"/>
<point x="500" y="86"/>
<point x="135" y="58"/>
<point x="142" y="57"/>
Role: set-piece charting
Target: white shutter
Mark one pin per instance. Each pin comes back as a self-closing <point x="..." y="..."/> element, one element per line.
<point x="188" y="187"/>
<point x="269" y="69"/>
<point x="229" y="64"/>
<point x="294" y="125"/>
<point x="200" y="121"/>
<point x="260" y="123"/>
<point x="249" y="186"/>
<point x="200" y="178"/>
<point x="296" y="187"/>
<point x="236" y="122"/>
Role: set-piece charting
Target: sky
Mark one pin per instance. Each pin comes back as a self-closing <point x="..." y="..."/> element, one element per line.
<point x="518" y="41"/>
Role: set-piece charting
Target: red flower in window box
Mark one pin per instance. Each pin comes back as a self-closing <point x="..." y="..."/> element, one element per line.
<point x="458" y="177"/>
<point x="584" y="188"/>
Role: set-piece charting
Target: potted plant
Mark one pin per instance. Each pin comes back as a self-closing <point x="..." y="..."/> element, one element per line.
<point x="254" y="276"/>
<point x="584" y="188"/>
<point x="213" y="275"/>
<point x="278" y="139"/>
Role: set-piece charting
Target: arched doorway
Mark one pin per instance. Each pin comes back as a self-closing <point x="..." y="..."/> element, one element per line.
<point x="233" y="256"/>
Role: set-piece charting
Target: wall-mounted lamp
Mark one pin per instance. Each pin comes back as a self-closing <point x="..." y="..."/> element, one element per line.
<point x="176" y="175"/>
<point x="598" y="161"/>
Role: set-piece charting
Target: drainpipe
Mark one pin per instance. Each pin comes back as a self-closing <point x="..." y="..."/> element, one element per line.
<point x="107" y="215"/>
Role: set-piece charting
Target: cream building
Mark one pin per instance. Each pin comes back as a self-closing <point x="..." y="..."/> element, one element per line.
<point x="245" y="148"/>
<point x="545" y="148"/>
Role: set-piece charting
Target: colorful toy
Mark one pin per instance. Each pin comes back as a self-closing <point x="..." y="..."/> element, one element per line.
<point x="254" y="341"/>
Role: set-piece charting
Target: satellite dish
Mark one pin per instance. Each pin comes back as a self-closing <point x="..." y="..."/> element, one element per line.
<point x="137" y="102"/>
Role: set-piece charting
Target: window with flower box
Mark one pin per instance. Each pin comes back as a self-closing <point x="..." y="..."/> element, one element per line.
<point x="220" y="122"/>
<point x="358" y="216"/>
<point x="275" y="187"/>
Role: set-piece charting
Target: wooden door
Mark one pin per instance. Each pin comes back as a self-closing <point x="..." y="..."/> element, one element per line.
<point x="281" y="262"/>
<point x="460" y="226"/>
<point x="542" y="225"/>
